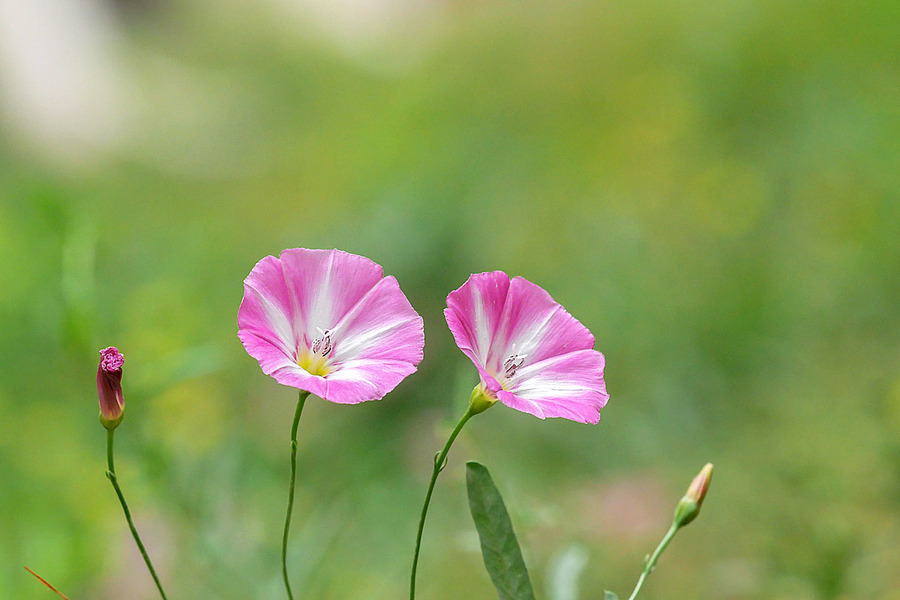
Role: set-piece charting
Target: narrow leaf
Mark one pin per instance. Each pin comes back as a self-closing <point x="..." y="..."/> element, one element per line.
<point x="608" y="595"/>
<point x="499" y="547"/>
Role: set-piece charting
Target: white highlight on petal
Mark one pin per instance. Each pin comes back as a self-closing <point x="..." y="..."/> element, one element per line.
<point x="531" y="339"/>
<point x="482" y="327"/>
<point x="279" y="323"/>
<point x="539" y="380"/>
<point x="320" y="313"/>
<point x="354" y="347"/>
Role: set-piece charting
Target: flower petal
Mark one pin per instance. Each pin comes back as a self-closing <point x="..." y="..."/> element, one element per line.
<point x="537" y="325"/>
<point x="271" y="356"/>
<point x="474" y="313"/>
<point x="324" y="285"/>
<point x="381" y="326"/>
<point x="360" y="380"/>
<point x="294" y="375"/>
<point x="568" y="385"/>
<point x="266" y="312"/>
<point x="351" y="382"/>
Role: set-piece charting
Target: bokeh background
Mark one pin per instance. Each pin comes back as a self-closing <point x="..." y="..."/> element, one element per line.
<point x="711" y="187"/>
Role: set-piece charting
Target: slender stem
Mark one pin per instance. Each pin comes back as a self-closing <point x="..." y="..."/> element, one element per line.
<point x="287" y="520"/>
<point x="110" y="463"/>
<point x="438" y="467"/>
<point x="111" y="475"/>
<point x="651" y="562"/>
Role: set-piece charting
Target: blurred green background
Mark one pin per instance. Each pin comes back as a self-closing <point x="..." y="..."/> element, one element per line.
<point x="711" y="187"/>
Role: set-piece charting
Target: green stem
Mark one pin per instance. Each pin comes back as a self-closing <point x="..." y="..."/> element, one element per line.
<point x="651" y="562"/>
<point x="111" y="475"/>
<point x="287" y="520"/>
<point x="438" y="467"/>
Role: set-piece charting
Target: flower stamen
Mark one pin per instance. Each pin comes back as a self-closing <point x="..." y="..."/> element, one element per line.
<point x="512" y="364"/>
<point x="322" y="345"/>
<point x="316" y="360"/>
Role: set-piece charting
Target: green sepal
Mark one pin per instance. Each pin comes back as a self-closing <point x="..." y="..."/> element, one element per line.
<point x="480" y="400"/>
<point x="686" y="511"/>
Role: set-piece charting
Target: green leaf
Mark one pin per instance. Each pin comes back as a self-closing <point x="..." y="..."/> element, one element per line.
<point x="608" y="595"/>
<point x="499" y="547"/>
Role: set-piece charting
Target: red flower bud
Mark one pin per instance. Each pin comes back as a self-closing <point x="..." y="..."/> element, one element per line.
<point x="109" y="387"/>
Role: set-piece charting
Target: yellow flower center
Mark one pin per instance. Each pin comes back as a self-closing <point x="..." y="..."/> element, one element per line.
<point x="315" y="360"/>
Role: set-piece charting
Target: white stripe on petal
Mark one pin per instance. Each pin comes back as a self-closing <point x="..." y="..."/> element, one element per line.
<point x="356" y="346"/>
<point x="562" y="376"/>
<point x="279" y="322"/>
<point x="528" y="341"/>
<point x="482" y="326"/>
<point x="320" y="313"/>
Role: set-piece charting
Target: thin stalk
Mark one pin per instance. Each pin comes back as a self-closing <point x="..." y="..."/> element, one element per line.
<point x="651" y="562"/>
<point x="290" y="508"/>
<point x="111" y="475"/>
<point x="438" y="467"/>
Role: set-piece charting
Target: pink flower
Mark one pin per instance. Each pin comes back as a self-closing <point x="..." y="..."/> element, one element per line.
<point x="531" y="354"/>
<point x="109" y="387"/>
<point x="329" y="323"/>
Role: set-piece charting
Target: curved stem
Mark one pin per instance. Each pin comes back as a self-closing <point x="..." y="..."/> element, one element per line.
<point x="651" y="562"/>
<point x="111" y="475"/>
<point x="438" y="467"/>
<point x="287" y="519"/>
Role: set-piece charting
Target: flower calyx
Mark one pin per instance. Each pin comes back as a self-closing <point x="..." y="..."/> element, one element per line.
<point x="480" y="400"/>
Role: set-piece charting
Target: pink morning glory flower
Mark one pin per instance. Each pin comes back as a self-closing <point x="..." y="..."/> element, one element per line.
<point x="531" y="354"/>
<point x="330" y="323"/>
<point x="109" y="387"/>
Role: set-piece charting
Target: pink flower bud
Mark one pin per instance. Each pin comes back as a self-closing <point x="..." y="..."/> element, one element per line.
<point x="109" y="387"/>
<point x="689" y="506"/>
<point x="697" y="490"/>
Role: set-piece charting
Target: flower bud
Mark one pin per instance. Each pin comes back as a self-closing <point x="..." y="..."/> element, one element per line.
<point x="109" y="387"/>
<point x="689" y="506"/>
